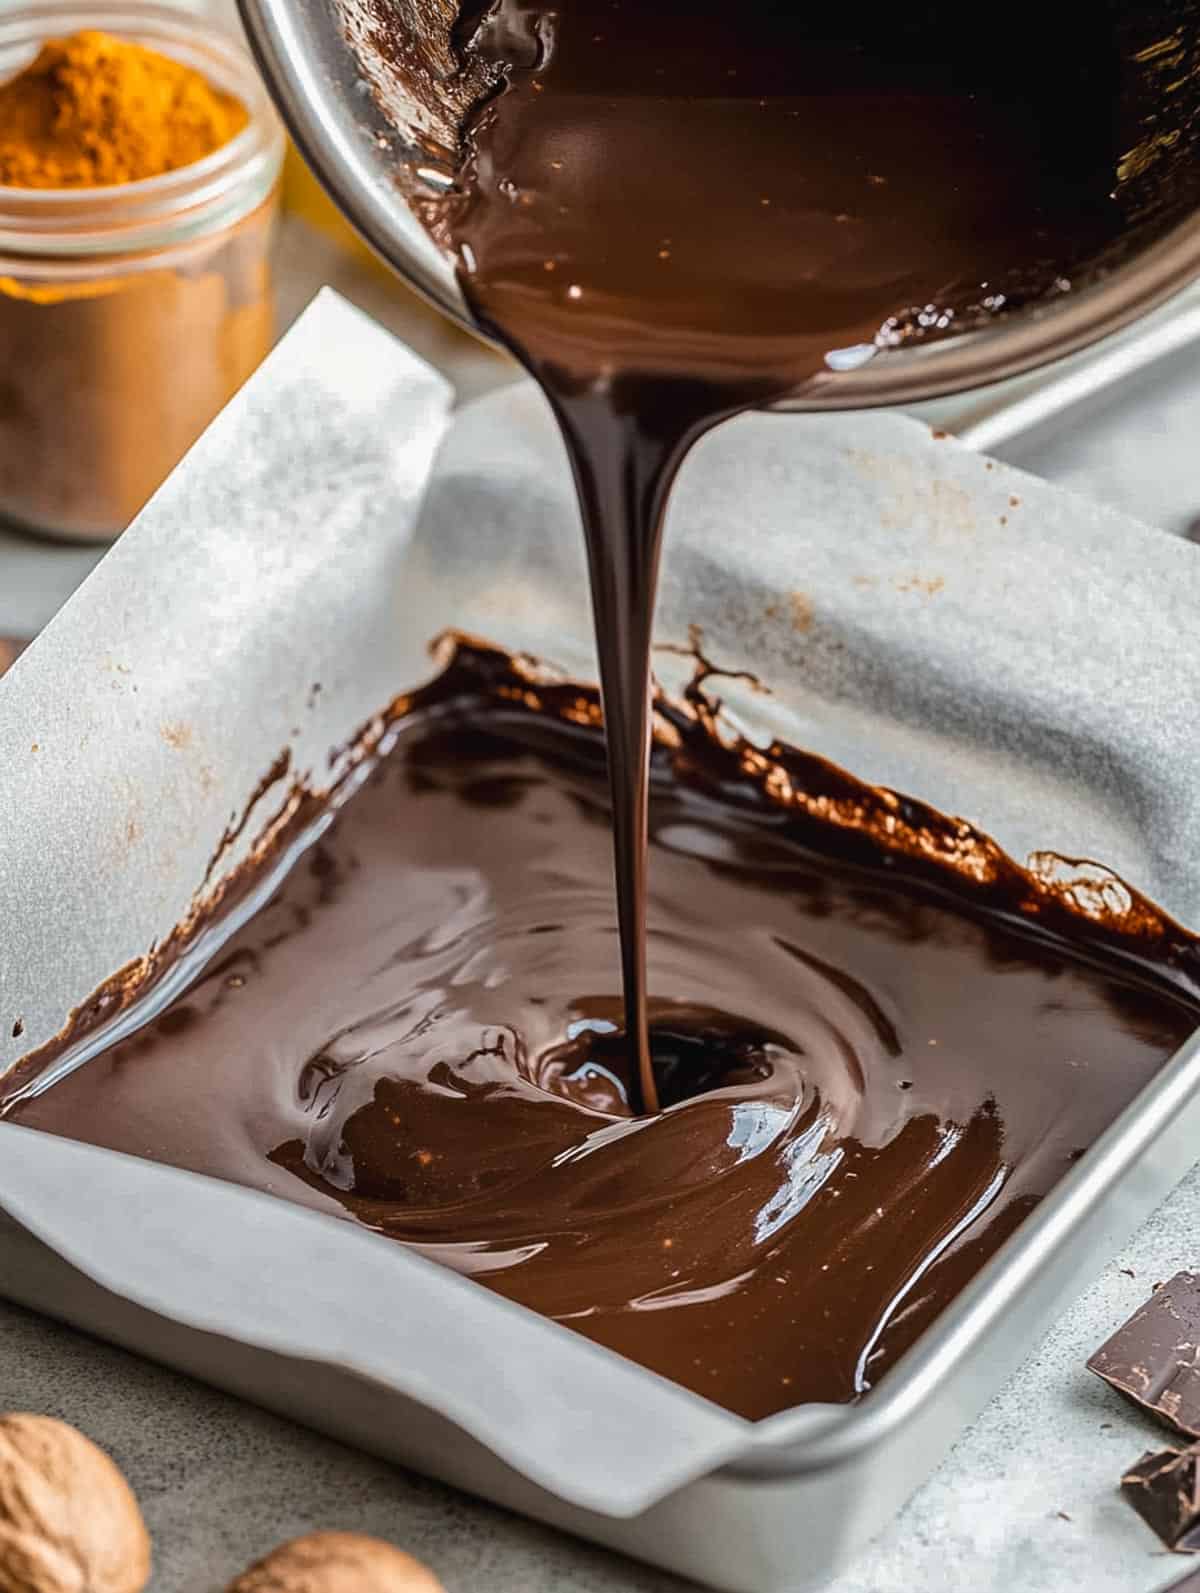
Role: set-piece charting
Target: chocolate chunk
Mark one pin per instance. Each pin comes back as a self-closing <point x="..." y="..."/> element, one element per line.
<point x="1164" y="1489"/>
<point x="1154" y="1360"/>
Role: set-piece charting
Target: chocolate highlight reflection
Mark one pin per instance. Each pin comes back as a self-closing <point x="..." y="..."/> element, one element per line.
<point x="886" y="1041"/>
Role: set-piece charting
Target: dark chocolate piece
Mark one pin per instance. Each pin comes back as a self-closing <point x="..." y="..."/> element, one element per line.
<point x="882" y="1043"/>
<point x="1154" y="1360"/>
<point x="1164" y="1489"/>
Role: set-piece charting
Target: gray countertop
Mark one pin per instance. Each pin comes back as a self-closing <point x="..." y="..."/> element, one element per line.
<point x="1026" y="1501"/>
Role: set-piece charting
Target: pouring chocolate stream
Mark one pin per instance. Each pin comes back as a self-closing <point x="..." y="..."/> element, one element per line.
<point x="674" y="211"/>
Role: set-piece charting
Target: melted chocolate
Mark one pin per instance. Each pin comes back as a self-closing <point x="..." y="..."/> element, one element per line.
<point x="673" y="209"/>
<point x="884" y="1041"/>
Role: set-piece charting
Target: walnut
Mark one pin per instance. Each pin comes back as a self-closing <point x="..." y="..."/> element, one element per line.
<point x="68" y="1520"/>
<point x="337" y="1562"/>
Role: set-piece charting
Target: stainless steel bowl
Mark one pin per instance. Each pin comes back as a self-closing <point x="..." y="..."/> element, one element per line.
<point x="374" y="98"/>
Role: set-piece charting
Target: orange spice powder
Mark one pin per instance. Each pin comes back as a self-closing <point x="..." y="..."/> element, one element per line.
<point x="92" y="111"/>
<point x="111" y="366"/>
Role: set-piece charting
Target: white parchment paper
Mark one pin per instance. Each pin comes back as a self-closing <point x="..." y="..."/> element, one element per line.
<point x="943" y="625"/>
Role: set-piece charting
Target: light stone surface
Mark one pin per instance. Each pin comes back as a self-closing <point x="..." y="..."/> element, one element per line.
<point x="1027" y="1501"/>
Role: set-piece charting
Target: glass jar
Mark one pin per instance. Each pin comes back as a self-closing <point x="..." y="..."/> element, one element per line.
<point x="129" y="315"/>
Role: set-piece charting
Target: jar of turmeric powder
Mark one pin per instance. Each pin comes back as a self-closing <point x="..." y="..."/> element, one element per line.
<point x="139" y="167"/>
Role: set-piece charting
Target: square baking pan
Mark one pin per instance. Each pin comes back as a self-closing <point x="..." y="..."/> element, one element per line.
<point x="1004" y="730"/>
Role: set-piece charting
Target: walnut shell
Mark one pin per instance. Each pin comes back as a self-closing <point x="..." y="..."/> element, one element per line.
<point x="68" y="1520"/>
<point x="337" y="1562"/>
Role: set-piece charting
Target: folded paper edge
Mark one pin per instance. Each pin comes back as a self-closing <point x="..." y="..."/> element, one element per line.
<point x="41" y="1178"/>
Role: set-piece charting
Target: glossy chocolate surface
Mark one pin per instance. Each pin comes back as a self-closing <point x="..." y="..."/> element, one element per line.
<point x="883" y="1040"/>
